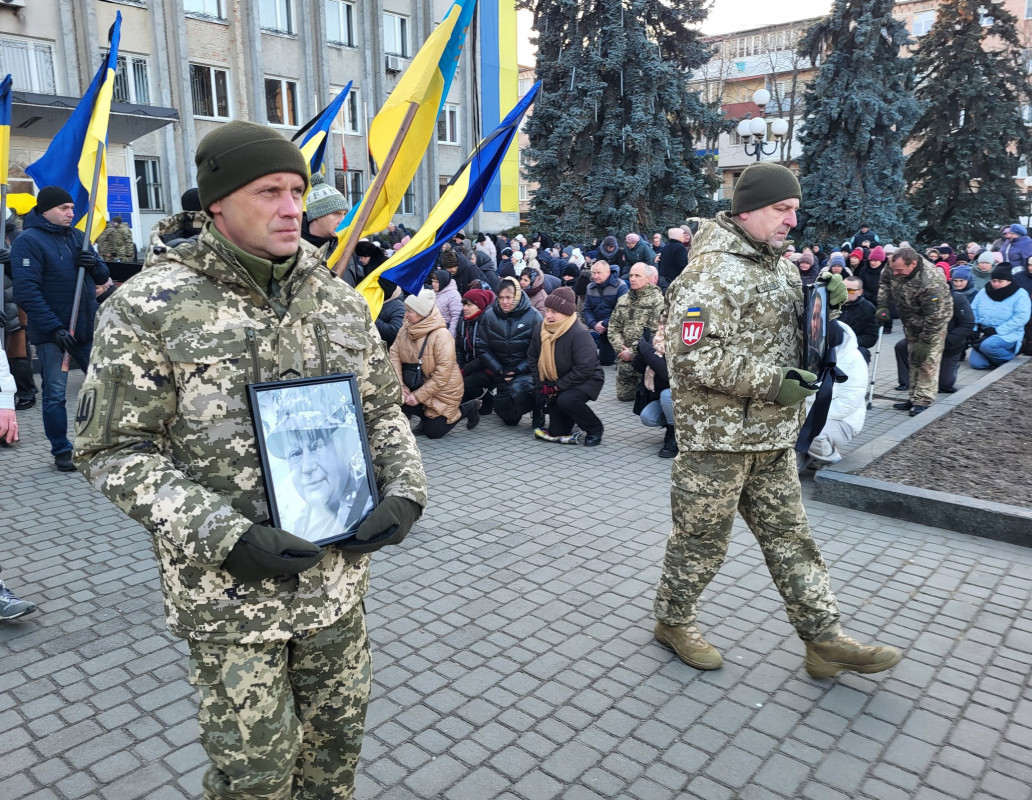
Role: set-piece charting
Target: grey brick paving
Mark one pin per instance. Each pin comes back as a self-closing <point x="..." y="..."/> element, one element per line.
<point x="513" y="649"/>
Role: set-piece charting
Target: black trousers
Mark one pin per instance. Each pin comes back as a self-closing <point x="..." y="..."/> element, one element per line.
<point x="474" y="385"/>
<point x="606" y="353"/>
<point x="433" y="427"/>
<point x="570" y="407"/>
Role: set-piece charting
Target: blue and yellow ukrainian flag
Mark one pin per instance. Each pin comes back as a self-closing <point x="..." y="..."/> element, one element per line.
<point x="316" y="132"/>
<point x="71" y="159"/>
<point x="5" y="127"/>
<point x="426" y="82"/>
<point x="410" y="265"/>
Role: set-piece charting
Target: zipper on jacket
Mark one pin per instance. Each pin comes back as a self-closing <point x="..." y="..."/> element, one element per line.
<point x="252" y="344"/>
<point x="745" y="408"/>
<point x="320" y="345"/>
<point x="114" y="407"/>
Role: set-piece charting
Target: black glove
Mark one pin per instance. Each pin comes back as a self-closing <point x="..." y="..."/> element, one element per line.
<point x="64" y="340"/>
<point x="388" y="523"/>
<point x="987" y="332"/>
<point x="5" y="255"/>
<point x="263" y="552"/>
<point x="3" y="319"/>
<point x="86" y="260"/>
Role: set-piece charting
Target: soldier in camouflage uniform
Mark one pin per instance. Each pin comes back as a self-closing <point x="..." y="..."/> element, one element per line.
<point x="734" y="343"/>
<point x="642" y="307"/>
<point x="925" y="307"/>
<point x="116" y="242"/>
<point x="278" y="644"/>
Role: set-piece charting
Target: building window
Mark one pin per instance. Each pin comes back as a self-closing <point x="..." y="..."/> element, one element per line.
<point x="209" y="89"/>
<point x="276" y="15"/>
<point x="395" y="35"/>
<point x="352" y="113"/>
<point x="526" y="84"/>
<point x="448" y="124"/>
<point x="923" y="21"/>
<point x="524" y="194"/>
<point x="148" y="184"/>
<point x="1028" y="9"/>
<point x="30" y="63"/>
<point x="354" y="187"/>
<point x="408" y="202"/>
<point x="442" y="184"/>
<point x="131" y="82"/>
<point x="205" y="8"/>
<point x="340" y="22"/>
<point x="281" y="102"/>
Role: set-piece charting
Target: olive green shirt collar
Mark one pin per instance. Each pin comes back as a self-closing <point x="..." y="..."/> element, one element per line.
<point x="262" y="271"/>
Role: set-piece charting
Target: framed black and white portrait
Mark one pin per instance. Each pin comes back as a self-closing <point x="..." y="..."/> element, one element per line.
<point x="315" y="456"/>
<point x="815" y="328"/>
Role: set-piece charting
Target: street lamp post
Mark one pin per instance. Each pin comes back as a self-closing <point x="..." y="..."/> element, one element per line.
<point x="754" y="131"/>
<point x="1028" y="199"/>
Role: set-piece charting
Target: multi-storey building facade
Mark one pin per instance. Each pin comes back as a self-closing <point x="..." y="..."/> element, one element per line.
<point x="188" y="66"/>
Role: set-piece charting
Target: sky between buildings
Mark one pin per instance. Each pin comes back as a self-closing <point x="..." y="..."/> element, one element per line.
<point x="725" y="16"/>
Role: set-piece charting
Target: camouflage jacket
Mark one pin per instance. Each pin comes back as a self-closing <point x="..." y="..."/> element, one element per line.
<point x="116" y="242"/>
<point x="923" y="300"/>
<point x="164" y="428"/>
<point x="634" y="312"/>
<point x="733" y="320"/>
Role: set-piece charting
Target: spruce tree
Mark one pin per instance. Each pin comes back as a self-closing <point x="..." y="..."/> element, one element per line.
<point x="970" y="138"/>
<point x="858" y="112"/>
<point x="613" y="129"/>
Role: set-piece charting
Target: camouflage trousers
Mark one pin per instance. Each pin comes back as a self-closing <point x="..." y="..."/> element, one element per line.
<point x="924" y="375"/>
<point x="283" y="720"/>
<point x="627" y="380"/>
<point x="706" y="490"/>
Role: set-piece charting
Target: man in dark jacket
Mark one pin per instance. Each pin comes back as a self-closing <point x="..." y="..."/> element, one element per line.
<point x="462" y="271"/>
<point x="864" y="237"/>
<point x="673" y="258"/>
<point x="46" y="259"/>
<point x="635" y="249"/>
<point x="858" y="314"/>
<point x="599" y="301"/>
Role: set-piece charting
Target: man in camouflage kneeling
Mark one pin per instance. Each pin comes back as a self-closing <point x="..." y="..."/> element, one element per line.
<point x="734" y="343"/>
<point x="277" y="636"/>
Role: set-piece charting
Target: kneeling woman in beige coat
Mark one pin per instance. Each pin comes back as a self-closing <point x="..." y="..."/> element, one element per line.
<point x="423" y="356"/>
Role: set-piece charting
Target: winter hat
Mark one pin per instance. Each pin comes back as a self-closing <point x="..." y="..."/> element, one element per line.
<point x="239" y="152"/>
<point x="1018" y="229"/>
<point x="1002" y="272"/>
<point x="998" y="257"/>
<point x="805" y="258"/>
<point x="481" y="298"/>
<point x="448" y="259"/>
<point x="889" y="249"/>
<point x="985" y="257"/>
<point x="960" y="271"/>
<point x="562" y="300"/>
<point x="857" y="253"/>
<point x="571" y="271"/>
<point x="443" y="279"/>
<point x="190" y="201"/>
<point x="837" y="259"/>
<point x="51" y="197"/>
<point x="422" y="303"/>
<point x="506" y="251"/>
<point x="323" y="199"/>
<point x="944" y="267"/>
<point x="608" y="248"/>
<point x="877" y="253"/>
<point x="762" y="184"/>
<point x="675" y="234"/>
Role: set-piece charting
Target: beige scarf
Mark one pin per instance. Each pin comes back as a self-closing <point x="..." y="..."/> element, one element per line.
<point x="550" y="331"/>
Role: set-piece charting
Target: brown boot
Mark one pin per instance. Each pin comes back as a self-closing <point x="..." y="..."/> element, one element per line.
<point x="689" y="645"/>
<point x="825" y="659"/>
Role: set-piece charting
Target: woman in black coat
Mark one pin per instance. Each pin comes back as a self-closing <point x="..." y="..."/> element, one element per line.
<point x="565" y="360"/>
<point x="503" y="339"/>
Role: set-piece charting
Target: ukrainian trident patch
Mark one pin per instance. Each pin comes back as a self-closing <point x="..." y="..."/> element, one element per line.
<point x="691" y="331"/>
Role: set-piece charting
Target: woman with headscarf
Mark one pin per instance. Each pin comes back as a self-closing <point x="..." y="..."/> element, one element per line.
<point x="503" y="338"/>
<point x="564" y="359"/>
<point x="448" y="300"/>
<point x="532" y="281"/>
<point x="423" y="356"/>
<point x="476" y="381"/>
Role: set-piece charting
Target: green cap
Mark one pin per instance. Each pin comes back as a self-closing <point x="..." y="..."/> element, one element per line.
<point x="763" y="184"/>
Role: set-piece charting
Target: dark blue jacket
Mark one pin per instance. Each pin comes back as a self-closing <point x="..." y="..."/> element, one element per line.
<point x="599" y="301"/>
<point x="43" y="263"/>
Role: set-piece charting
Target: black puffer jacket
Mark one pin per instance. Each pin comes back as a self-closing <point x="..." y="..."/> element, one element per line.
<point x="576" y="361"/>
<point x="503" y="339"/>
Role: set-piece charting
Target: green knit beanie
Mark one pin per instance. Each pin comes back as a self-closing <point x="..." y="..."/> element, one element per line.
<point x="763" y="184"/>
<point x="237" y="153"/>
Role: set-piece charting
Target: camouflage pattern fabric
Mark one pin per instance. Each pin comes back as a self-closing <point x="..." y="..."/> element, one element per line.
<point x="163" y="426"/>
<point x="116" y="242"/>
<point x="733" y="320"/>
<point x="925" y="308"/>
<point x="634" y="312"/>
<point x="764" y="488"/>
<point x="284" y="719"/>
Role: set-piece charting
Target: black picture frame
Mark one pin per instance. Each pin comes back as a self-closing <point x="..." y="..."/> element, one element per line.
<point x="815" y="329"/>
<point x="315" y="457"/>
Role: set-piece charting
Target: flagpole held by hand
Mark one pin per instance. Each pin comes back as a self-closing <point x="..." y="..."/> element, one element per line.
<point x="80" y="278"/>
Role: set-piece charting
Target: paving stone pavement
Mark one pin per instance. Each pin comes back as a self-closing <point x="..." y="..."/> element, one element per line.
<point x="513" y="648"/>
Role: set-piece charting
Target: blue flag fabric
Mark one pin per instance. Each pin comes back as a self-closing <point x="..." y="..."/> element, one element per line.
<point x="316" y="131"/>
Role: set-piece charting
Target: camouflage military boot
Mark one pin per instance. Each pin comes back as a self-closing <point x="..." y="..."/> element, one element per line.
<point x="838" y="653"/>
<point x="689" y="645"/>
